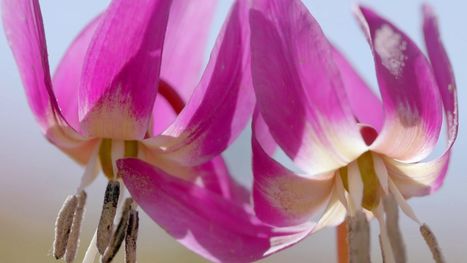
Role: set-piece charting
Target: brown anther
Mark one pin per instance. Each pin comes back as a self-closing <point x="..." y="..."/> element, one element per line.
<point x="109" y="209"/>
<point x="432" y="243"/>
<point x="359" y="238"/>
<point x="392" y="226"/>
<point x="131" y="237"/>
<point x="73" y="239"/>
<point x="63" y="226"/>
<point x="119" y="234"/>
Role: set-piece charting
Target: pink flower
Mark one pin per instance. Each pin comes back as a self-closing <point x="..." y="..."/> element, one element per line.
<point x="351" y="147"/>
<point x="120" y="91"/>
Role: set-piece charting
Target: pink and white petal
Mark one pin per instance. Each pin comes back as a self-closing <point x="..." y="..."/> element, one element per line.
<point x="366" y="106"/>
<point x="412" y="105"/>
<point x="223" y="101"/>
<point x="418" y="179"/>
<point x="283" y="198"/>
<point x="121" y="70"/>
<point x="185" y="44"/>
<point x="298" y="88"/>
<point x="334" y="214"/>
<point x="24" y="29"/>
<point x="443" y="73"/>
<point x="262" y="133"/>
<point x="163" y="115"/>
<point x="67" y="77"/>
<point x="206" y="223"/>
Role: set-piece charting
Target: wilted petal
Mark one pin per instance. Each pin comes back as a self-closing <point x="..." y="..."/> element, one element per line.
<point x="121" y="71"/>
<point x="24" y="29"/>
<point x="366" y="106"/>
<point x="67" y="77"/>
<point x="412" y="105"/>
<point x="214" y="227"/>
<point x="221" y="104"/>
<point x="185" y="44"/>
<point x="298" y="87"/>
<point x="283" y="198"/>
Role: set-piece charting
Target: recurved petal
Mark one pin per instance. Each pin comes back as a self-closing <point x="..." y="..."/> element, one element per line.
<point x="205" y="222"/>
<point x="411" y="100"/>
<point x="282" y="198"/>
<point x="366" y="106"/>
<point x="298" y="87"/>
<point x="443" y="72"/>
<point x="185" y="44"/>
<point x="222" y="102"/>
<point x="121" y="69"/>
<point x="418" y="179"/>
<point x="24" y="29"/>
<point x="67" y="77"/>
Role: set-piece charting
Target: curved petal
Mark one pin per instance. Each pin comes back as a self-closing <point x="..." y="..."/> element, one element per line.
<point x="24" y="29"/>
<point x="262" y="133"/>
<point x="221" y="104"/>
<point x="412" y="105"/>
<point x="214" y="227"/>
<point x="443" y="73"/>
<point x="366" y="106"/>
<point x="282" y="198"/>
<point x="298" y="87"/>
<point x="68" y="74"/>
<point x="121" y="70"/>
<point x="418" y="179"/>
<point x="185" y="44"/>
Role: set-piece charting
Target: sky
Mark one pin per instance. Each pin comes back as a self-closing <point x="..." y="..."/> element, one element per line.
<point x="35" y="177"/>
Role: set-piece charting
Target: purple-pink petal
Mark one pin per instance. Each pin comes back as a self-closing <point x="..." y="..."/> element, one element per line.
<point x="410" y="95"/>
<point x="67" y="77"/>
<point x="24" y="29"/>
<point x="121" y="69"/>
<point x="366" y="106"/>
<point x="185" y="44"/>
<point x="298" y="87"/>
<point x="203" y="221"/>
<point x="222" y="102"/>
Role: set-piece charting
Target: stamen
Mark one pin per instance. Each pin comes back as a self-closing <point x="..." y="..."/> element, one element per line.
<point x="63" y="226"/>
<point x="381" y="246"/>
<point x="359" y="238"/>
<point x="432" y="243"/>
<point x="392" y="226"/>
<point x="109" y="208"/>
<point x="355" y="188"/>
<point x="119" y="234"/>
<point x="73" y="240"/>
<point x="131" y="237"/>
<point x="386" y="249"/>
<point x="105" y="156"/>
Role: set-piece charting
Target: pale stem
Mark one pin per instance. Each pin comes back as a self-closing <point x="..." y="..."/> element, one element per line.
<point x="359" y="238"/>
<point x="392" y="226"/>
<point x="91" y="252"/>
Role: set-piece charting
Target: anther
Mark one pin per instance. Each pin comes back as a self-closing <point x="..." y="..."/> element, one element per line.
<point x="392" y="226"/>
<point x="359" y="238"/>
<point x="109" y="208"/>
<point x="432" y="243"/>
<point x="73" y="239"/>
<point x="63" y="226"/>
<point x="131" y="237"/>
<point x="119" y="234"/>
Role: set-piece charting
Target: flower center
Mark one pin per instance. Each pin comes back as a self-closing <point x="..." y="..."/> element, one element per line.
<point x="371" y="186"/>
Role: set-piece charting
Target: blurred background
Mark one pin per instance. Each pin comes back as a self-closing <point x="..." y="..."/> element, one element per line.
<point x="35" y="177"/>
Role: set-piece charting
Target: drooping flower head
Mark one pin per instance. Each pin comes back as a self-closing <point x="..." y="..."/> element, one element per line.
<point x="354" y="150"/>
<point x="120" y="91"/>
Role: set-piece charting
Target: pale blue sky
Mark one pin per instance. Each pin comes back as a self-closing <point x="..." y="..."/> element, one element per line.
<point x="35" y="177"/>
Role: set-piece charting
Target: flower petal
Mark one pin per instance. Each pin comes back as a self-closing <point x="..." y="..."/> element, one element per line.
<point x="24" y="29"/>
<point x="121" y="70"/>
<point x="366" y="106"/>
<point x="411" y="100"/>
<point x="185" y="44"/>
<point x="68" y="74"/>
<point x="221" y="104"/>
<point x="214" y="227"/>
<point x="283" y="198"/>
<point x="298" y="88"/>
